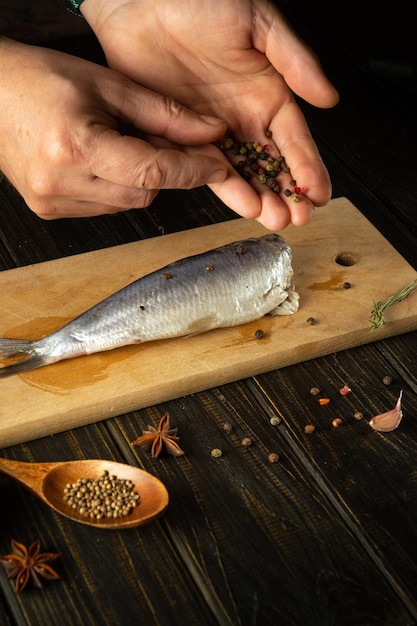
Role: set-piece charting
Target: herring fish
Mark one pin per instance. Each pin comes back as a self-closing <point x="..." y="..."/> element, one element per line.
<point x="227" y="286"/>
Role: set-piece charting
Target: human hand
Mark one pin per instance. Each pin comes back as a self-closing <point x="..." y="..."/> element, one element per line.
<point x="240" y="61"/>
<point x="60" y="139"/>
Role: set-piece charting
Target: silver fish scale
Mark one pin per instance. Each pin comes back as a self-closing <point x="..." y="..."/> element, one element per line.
<point x="227" y="286"/>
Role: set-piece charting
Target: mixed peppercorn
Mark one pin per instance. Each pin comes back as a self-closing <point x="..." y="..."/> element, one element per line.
<point x="254" y="160"/>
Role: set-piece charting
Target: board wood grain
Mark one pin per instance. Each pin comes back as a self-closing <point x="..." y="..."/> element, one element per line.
<point x="339" y="246"/>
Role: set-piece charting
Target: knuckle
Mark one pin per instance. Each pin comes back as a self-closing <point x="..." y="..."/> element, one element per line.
<point x="150" y="175"/>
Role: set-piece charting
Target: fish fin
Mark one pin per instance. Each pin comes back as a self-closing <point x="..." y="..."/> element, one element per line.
<point x="18" y="355"/>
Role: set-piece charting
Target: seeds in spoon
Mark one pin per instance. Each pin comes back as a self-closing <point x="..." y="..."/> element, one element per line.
<point x="103" y="497"/>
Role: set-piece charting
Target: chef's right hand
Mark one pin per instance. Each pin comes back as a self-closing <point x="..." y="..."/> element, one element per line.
<point x="61" y="144"/>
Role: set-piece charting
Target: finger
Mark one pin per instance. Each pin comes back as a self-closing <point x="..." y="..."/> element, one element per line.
<point x="131" y="162"/>
<point x="294" y="60"/>
<point x="295" y="143"/>
<point x="161" y="115"/>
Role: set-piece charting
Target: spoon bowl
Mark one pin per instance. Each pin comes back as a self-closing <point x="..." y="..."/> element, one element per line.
<point x="47" y="481"/>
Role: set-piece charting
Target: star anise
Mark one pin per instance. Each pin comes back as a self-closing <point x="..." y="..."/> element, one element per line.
<point x="24" y="563"/>
<point x="157" y="438"/>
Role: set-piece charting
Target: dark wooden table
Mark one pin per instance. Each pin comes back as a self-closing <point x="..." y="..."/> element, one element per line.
<point x="327" y="535"/>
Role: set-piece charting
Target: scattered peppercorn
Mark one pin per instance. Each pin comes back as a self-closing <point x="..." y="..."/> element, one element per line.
<point x="216" y="453"/>
<point x="275" y="420"/>
<point x="309" y="428"/>
<point x="358" y="415"/>
<point x="311" y="321"/>
<point x="209" y="268"/>
<point x="273" y="457"/>
<point x="387" y="380"/>
<point x="345" y="390"/>
<point x="347" y="285"/>
<point x="166" y="276"/>
<point x="336" y="422"/>
<point x="246" y="442"/>
<point x="259" y="334"/>
<point x="314" y="391"/>
<point x="227" y="427"/>
<point x="324" y="401"/>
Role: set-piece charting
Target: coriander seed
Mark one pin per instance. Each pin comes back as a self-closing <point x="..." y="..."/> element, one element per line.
<point x="216" y="453"/>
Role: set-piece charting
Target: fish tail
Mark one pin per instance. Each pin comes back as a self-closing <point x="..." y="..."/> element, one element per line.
<point x="19" y="355"/>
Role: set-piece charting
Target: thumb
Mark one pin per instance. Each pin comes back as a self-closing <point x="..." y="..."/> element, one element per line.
<point x="132" y="162"/>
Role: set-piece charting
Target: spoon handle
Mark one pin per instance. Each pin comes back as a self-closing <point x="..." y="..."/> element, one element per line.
<point x="30" y="475"/>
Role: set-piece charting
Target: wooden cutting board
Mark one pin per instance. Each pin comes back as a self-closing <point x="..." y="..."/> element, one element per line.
<point x="338" y="246"/>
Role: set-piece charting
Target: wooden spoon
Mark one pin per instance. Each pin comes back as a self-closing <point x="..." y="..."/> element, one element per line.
<point x="47" y="481"/>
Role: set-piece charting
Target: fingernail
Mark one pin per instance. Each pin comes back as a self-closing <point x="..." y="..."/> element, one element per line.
<point x="213" y="121"/>
<point x="218" y="176"/>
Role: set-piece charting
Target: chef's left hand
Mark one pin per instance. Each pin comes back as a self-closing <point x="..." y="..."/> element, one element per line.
<point x="240" y="61"/>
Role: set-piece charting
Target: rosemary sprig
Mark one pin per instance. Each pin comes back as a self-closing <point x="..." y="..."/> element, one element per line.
<point x="377" y="316"/>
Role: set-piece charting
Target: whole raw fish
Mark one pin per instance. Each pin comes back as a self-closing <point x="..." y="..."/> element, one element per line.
<point x="231" y="285"/>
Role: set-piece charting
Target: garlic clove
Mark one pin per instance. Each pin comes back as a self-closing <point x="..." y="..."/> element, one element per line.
<point x="385" y="422"/>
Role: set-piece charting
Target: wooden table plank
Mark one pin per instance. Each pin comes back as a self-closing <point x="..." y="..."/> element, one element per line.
<point x="372" y="475"/>
<point x="224" y="514"/>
